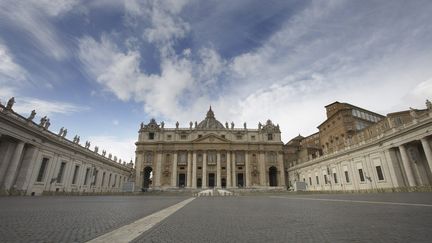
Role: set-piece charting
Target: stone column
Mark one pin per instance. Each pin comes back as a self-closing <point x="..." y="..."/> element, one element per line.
<point x="234" y="166"/>
<point x="189" y="170"/>
<point x="194" y="170"/>
<point x="218" y="170"/>
<point x="13" y="166"/>
<point x="261" y="162"/>
<point x="158" y="173"/>
<point x="174" y="171"/>
<point x="6" y="152"/>
<point x="428" y="151"/>
<point x="407" y="166"/>
<point x="281" y="169"/>
<point x="248" y="174"/>
<point x="228" y="174"/>
<point x="204" y="170"/>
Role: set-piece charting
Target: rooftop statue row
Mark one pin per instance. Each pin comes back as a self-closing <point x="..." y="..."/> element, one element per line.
<point x="211" y="123"/>
<point x="45" y="124"/>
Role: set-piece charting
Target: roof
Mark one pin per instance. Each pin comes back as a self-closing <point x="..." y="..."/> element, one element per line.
<point x="210" y="122"/>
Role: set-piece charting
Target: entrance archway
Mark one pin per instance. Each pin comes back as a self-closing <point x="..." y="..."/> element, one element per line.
<point x="147" y="177"/>
<point x="182" y="180"/>
<point x="273" y="176"/>
<point x="240" y="180"/>
<point x="223" y="182"/>
<point x="199" y="182"/>
<point x="211" y="180"/>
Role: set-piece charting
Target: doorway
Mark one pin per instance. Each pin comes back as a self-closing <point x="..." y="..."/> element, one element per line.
<point x="211" y="178"/>
<point x="147" y="177"/>
<point x="223" y="182"/>
<point x="273" y="176"/>
<point x="182" y="180"/>
<point x="240" y="180"/>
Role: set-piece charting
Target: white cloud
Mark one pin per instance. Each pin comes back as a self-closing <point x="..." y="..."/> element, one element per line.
<point x="10" y="71"/>
<point x="24" y="105"/>
<point x="35" y="17"/>
<point x="318" y="56"/>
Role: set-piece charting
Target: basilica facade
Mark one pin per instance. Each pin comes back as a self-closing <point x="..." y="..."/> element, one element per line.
<point x="209" y="154"/>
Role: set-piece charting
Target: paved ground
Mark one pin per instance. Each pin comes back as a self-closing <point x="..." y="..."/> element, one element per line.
<point x="72" y="219"/>
<point x="392" y="217"/>
<point x="297" y="219"/>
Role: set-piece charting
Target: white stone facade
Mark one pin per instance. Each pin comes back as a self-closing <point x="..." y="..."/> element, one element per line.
<point x="34" y="160"/>
<point x="394" y="155"/>
<point x="209" y="154"/>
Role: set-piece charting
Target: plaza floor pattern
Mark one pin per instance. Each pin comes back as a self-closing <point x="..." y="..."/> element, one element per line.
<point x="387" y="217"/>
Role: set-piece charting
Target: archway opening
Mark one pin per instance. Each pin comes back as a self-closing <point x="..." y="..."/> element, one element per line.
<point x="182" y="180"/>
<point x="273" y="176"/>
<point x="147" y="177"/>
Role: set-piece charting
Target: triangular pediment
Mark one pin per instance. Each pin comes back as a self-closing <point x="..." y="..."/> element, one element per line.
<point x="211" y="138"/>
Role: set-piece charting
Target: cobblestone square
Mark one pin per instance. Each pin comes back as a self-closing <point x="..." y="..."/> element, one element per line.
<point x="391" y="217"/>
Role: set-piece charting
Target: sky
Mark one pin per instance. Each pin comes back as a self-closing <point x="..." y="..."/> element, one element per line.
<point x="99" y="68"/>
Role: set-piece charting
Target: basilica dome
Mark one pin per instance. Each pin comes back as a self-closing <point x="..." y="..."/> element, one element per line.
<point x="210" y="122"/>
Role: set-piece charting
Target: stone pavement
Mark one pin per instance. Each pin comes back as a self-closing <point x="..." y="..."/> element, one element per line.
<point x="281" y="219"/>
<point x="389" y="217"/>
<point x="73" y="218"/>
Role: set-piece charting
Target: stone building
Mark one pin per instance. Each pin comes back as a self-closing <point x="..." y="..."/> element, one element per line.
<point x="394" y="151"/>
<point x="343" y="121"/>
<point x="208" y="154"/>
<point x="34" y="160"/>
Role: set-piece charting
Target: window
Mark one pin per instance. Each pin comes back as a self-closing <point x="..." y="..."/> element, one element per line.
<point x="86" y="176"/>
<point x="253" y="137"/>
<point x="61" y="172"/>
<point x="223" y="136"/>
<point x="335" y="177"/>
<point x="151" y="135"/>
<point x="310" y="181"/>
<point x="42" y="169"/>
<point x="317" y="180"/>
<point x="361" y="175"/>
<point x="200" y="136"/>
<point x="239" y="137"/>
<point x="183" y="137"/>
<point x="269" y="136"/>
<point x="169" y="137"/>
<point x="379" y="173"/>
<point x="325" y="179"/>
<point x="109" y="180"/>
<point x="347" y="179"/>
<point x="75" y="174"/>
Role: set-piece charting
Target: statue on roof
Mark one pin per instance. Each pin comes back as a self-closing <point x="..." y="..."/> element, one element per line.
<point x="190" y="125"/>
<point x="177" y="124"/>
<point x="428" y="105"/>
<point x="10" y="103"/>
<point x="43" y="120"/>
<point x="232" y="125"/>
<point x="47" y="124"/>
<point x="32" y="115"/>
<point x="162" y="124"/>
<point x="61" y="131"/>
<point x="259" y="125"/>
<point x="244" y="125"/>
<point x="64" y="133"/>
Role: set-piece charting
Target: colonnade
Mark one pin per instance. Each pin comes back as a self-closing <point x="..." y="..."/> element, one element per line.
<point x="225" y="172"/>
<point x="409" y="163"/>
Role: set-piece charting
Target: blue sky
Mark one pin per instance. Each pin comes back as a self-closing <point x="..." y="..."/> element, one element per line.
<point x="100" y="68"/>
